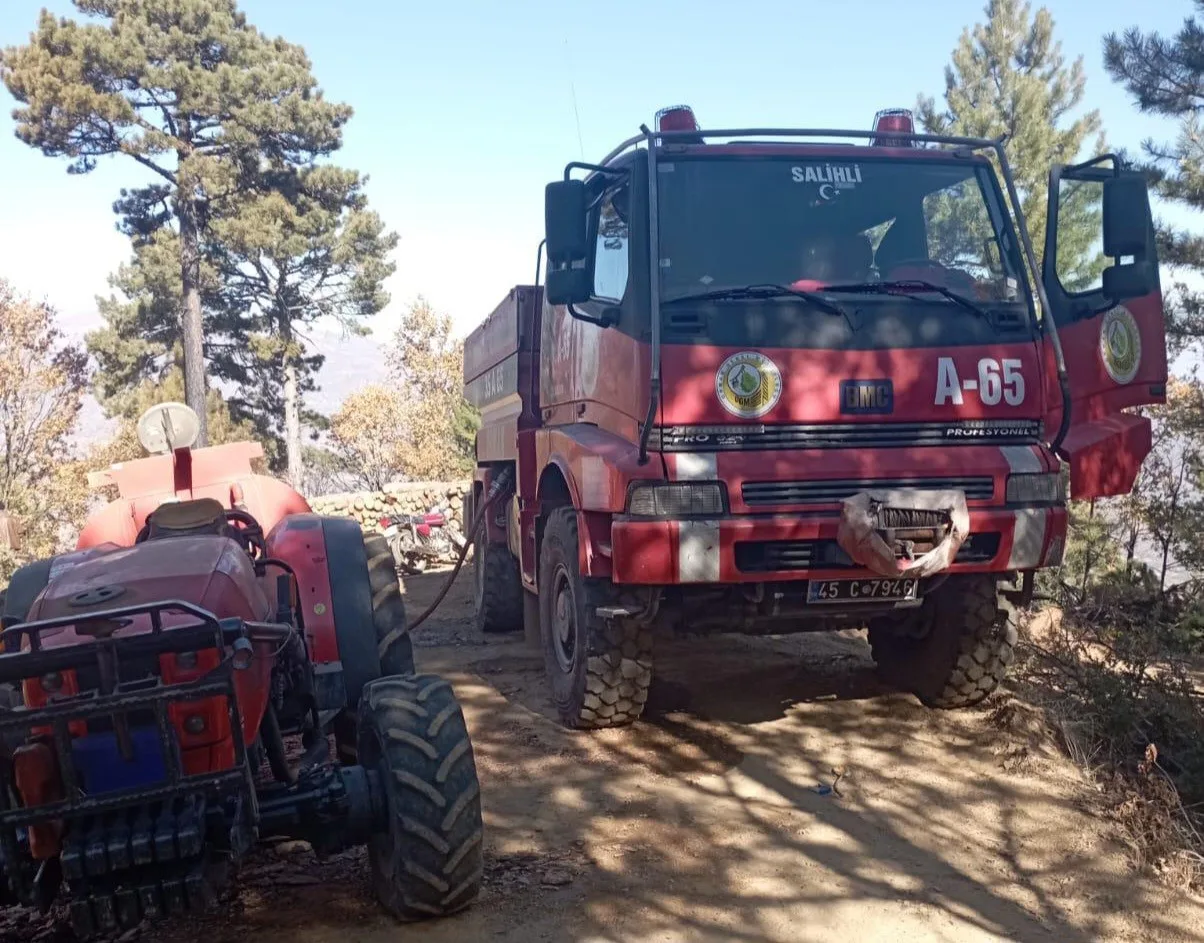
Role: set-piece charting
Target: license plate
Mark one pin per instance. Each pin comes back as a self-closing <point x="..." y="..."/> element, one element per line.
<point x="867" y="590"/>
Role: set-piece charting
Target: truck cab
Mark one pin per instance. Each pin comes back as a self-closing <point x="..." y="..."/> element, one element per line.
<point x="783" y="381"/>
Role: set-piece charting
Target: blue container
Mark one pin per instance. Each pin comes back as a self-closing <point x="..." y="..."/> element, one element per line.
<point x="101" y="768"/>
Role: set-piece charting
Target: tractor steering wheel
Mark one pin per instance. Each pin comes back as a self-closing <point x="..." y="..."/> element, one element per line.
<point x="249" y="531"/>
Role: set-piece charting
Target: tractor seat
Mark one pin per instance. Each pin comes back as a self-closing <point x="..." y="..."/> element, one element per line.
<point x="202" y="516"/>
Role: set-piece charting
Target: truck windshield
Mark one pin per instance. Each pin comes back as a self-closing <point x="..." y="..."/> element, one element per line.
<point x="812" y="224"/>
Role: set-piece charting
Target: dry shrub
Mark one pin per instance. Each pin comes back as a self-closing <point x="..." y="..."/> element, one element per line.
<point x="1128" y="710"/>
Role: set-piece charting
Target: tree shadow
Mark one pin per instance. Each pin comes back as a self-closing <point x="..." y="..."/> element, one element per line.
<point x="773" y="791"/>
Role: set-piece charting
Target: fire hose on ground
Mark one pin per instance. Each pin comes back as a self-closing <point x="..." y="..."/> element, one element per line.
<point x="496" y="490"/>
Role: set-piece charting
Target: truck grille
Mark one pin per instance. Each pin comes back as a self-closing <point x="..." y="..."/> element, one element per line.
<point x="747" y="436"/>
<point x="755" y="493"/>
<point x="767" y="556"/>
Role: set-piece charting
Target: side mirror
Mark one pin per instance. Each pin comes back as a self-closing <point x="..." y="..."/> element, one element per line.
<point x="1127" y="222"/>
<point x="568" y="286"/>
<point x="1127" y="216"/>
<point x="565" y="209"/>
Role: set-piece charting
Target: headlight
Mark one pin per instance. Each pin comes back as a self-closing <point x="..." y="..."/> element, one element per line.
<point x="1035" y="489"/>
<point x="676" y="499"/>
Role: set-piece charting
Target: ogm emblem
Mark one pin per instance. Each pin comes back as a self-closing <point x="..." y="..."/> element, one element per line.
<point x="1120" y="344"/>
<point x="748" y="384"/>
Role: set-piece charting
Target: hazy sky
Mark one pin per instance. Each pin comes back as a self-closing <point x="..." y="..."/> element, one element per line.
<point x="464" y="110"/>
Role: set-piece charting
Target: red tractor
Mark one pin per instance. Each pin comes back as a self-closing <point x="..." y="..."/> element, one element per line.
<point x="798" y="380"/>
<point x="183" y="675"/>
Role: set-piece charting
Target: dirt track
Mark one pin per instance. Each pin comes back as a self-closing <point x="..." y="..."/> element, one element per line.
<point x="705" y="821"/>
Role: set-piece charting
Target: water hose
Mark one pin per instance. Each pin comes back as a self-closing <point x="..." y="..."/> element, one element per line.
<point x="496" y="490"/>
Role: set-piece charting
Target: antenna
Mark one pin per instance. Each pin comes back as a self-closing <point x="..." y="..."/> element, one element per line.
<point x="573" y="92"/>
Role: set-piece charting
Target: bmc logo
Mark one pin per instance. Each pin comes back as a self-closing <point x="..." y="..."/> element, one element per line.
<point x="867" y="396"/>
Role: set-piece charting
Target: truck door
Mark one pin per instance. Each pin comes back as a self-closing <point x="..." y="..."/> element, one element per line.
<point x="1100" y="272"/>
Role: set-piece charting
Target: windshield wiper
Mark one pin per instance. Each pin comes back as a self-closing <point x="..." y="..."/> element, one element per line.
<point x="765" y="291"/>
<point x="908" y="286"/>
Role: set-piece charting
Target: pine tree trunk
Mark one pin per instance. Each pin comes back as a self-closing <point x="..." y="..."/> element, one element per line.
<point x="191" y="325"/>
<point x="292" y="408"/>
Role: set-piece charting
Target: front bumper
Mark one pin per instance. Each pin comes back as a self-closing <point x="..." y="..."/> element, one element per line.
<point x="783" y="547"/>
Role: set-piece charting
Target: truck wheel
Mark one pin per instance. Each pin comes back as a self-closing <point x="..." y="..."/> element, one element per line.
<point x="599" y="669"/>
<point x="497" y="588"/>
<point x="955" y="650"/>
<point x="393" y="641"/>
<point x="428" y="863"/>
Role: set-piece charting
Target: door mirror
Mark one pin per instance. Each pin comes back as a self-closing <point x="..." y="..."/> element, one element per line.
<point x="568" y="286"/>
<point x="1127" y="226"/>
<point x="565" y="210"/>
<point x="1126" y="216"/>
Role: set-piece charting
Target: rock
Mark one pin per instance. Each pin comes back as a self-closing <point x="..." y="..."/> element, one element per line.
<point x="556" y="877"/>
<point x="288" y="849"/>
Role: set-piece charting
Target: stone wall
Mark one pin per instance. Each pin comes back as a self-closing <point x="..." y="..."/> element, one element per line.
<point x="416" y="497"/>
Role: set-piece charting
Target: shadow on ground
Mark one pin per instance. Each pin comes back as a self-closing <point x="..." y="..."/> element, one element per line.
<point x="774" y="791"/>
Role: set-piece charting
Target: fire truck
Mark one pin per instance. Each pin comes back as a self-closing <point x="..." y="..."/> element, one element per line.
<point x="782" y="380"/>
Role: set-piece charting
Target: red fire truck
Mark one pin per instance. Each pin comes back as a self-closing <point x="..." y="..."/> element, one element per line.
<point x="795" y="380"/>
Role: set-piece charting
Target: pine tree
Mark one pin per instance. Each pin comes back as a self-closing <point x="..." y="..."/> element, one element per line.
<point x="1165" y="76"/>
<point x="1008" y="77"/>
<point x="188" y="90"/>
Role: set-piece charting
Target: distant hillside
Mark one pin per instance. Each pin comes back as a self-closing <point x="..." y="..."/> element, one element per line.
<point x="351" y="362"/>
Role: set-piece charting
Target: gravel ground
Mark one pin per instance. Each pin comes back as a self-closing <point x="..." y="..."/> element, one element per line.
<point x="773" y="792"/>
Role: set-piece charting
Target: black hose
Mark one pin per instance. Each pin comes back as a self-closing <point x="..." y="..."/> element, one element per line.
<point x="273" y="745"/>
<point x="496" y="490"/>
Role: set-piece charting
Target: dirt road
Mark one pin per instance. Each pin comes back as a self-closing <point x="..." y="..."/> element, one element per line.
<point x="714" y="818"/>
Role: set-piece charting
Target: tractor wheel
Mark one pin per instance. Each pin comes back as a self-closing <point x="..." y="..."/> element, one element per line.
<point x="388" y="609"/>
<point x="955" y="650"/>
<point x="497" y="588"/>
<point x="428" y="863"/>
<point x="599" y="669"/>
<point x="23" y="589"/>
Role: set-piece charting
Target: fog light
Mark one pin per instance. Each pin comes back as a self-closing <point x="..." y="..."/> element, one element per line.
<point x="52" y="682"/>
<point x="186" y="661"/>
<point x="194" y="724"/>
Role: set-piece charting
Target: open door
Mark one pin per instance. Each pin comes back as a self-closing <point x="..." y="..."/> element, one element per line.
<point x="1101" y="277"/>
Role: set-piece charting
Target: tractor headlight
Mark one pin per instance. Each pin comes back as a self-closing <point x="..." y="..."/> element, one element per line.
<point x="677" y="499"/>
<point x="1045" y="488"/>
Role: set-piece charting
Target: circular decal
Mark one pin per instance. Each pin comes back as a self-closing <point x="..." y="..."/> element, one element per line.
<point x="1120" y="344"/>
<point x="319" y="609"/>
<point x="748" y="384"/>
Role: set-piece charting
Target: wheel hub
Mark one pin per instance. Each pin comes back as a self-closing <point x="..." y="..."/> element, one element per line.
<point x="564" y="627"/>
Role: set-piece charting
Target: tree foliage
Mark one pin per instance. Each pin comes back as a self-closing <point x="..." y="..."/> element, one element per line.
<point x="1165" y="77"/>
<point x="427" y="363"/>
<point x="1008" y="76"/>
<point x="42" y="382"/>
<point x="369" y="436"/>
<point x="188" y="90"/>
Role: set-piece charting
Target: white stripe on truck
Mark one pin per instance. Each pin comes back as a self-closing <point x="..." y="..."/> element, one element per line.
<point x="696" y="466"/>
<point x="698" y="552"/>
<point x="1028" y="539"/>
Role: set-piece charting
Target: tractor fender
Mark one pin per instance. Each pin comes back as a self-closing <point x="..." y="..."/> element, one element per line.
<point x="328" y="557"/>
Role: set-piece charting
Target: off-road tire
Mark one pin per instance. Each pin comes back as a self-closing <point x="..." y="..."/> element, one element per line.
<point x="393" y="642"/>
<point x="603" y="681"/>
<point x="955" y="650"/>
<point x="497" y="588"/>
<point x="428" y="863"/>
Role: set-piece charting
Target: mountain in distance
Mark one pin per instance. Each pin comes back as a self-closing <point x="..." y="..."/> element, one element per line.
<point x="351" y="363"/>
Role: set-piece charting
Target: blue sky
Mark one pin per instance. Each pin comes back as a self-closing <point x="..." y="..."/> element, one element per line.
<point x="464" y="110"/>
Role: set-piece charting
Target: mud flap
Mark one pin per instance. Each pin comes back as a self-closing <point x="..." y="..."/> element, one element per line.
<point x="861" y="525"/>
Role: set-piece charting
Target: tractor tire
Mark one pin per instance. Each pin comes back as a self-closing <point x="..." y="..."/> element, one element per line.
<point x="393" y="642"/>
<point x="23" y="589"/>
<point x="955" y="650"/>
<point x="599" y="669"/>
<point x="497" y="588"/>
<point x="428" y="863"/>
